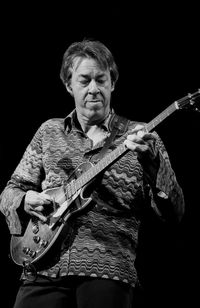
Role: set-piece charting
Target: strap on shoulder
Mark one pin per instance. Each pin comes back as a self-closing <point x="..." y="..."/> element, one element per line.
<point x="119" y="123"/>
<point x="118" y="126"/>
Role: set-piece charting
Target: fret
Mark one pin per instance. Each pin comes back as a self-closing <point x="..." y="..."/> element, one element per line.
<point x="88" y="175"/>
<point x="67" y="191"/>
<point x="163" y="115"/>
<point x="73" y="190"/>
<point x="79" y="183"/>
<point x="100" y="165"/>
<point x="109" y="159"/>
<point x="70" y="191"/>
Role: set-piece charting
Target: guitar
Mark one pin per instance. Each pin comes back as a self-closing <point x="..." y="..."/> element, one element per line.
<point x="40" y="239"/>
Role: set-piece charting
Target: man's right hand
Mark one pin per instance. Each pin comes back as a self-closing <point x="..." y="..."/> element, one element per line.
<point x="35" y="203"/>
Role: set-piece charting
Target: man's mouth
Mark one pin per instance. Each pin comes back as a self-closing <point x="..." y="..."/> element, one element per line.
<point x="94" y="101"/>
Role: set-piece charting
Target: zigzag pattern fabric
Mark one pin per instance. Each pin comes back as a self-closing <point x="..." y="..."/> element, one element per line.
<point x="102" y="240"/>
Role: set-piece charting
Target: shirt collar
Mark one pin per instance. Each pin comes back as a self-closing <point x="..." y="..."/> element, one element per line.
<point x="71" y="121"/>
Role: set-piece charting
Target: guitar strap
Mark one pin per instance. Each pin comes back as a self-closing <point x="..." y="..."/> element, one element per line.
<point x="118" y="126"/>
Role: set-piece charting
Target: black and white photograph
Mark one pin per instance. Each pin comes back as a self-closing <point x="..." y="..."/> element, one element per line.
<point x="99" y="155"/>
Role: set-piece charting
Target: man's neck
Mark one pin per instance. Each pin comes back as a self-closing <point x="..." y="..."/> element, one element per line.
<point x="96" y="134"/>
<point x="88" y="124"/>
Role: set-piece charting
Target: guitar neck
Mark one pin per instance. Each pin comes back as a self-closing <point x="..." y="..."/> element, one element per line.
<point x="107" y="160"/>
<point x="163" y="115"/>
<point x="101" y="165"/>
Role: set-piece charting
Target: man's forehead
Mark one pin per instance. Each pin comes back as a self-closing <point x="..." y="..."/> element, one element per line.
<point x="86" y="64"/>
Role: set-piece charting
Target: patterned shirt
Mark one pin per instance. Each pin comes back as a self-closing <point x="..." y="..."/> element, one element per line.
<point x="102" y="239"/>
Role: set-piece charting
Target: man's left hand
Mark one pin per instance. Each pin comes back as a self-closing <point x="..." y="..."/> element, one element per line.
<point x="141" y="142"/>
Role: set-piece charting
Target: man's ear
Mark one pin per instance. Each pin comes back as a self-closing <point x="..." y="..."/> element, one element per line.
<point x="69" y="89"/>
<point x="113" y="86"/>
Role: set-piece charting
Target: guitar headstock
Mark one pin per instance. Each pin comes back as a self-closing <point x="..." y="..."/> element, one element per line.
<point x="189" y="102"/>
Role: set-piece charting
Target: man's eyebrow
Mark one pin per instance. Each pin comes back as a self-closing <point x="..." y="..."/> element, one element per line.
<point x="99" y="75"/>
<point x="83" y="75"/>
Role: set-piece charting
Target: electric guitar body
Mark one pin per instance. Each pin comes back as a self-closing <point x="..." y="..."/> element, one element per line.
<point x="40" y="237"/>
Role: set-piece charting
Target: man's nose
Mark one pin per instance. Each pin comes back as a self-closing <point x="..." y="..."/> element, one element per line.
<point x="93" y="87"/>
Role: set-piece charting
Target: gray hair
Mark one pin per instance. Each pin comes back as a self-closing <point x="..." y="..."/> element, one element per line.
<point x="88" y="49"/>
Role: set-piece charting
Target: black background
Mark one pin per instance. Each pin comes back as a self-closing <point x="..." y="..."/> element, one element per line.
<point x="157" y="52"/>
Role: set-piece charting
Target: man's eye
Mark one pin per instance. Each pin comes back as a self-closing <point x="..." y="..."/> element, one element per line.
<point x="100" y="81"/>
<point x="84" y="81"/>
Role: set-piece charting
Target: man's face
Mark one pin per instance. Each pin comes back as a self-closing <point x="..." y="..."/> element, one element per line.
<point x="91" y="88"/>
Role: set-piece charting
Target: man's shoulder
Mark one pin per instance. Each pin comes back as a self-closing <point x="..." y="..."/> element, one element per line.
<point x="129" y="121"/>
<point x="124" y="122"/>
<point x="53" y="124"/>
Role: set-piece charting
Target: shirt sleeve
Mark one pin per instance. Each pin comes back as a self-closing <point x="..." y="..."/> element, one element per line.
<point x="167" y="197"/>
<point x="27" y="176"/>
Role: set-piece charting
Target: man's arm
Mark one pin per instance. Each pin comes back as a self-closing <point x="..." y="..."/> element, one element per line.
<point x="27" y="176"/>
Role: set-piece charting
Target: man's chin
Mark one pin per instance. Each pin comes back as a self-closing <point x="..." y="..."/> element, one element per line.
<point x="95" y="114"/>
<point x="96" y="105"/>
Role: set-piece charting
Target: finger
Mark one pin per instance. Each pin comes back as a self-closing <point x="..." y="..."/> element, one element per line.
<point x="40" y="201"/>
<point x="130" y="145"/>
<point x="135" y="138"/>
<point x="45" y="201"/>
<point x="36" y="203"/>
<point x="150" y="136"/>
<point x="140" y="148"/>
<point x="29" y="208"/>
<point x="140" y="134"/>
<point x="46" y="197"/>
<point x="137" y="128"/>
<point x="39" y="208"/>
<point x="38" y="215"/>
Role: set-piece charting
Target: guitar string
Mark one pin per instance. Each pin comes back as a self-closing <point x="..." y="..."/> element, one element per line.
<point x="75" y="185"/>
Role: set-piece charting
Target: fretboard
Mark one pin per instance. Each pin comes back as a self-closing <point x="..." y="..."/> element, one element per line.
<point x="163" y="115"/>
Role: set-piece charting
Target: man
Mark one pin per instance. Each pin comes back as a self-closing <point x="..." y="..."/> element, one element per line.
<point x="95" y="265"/>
